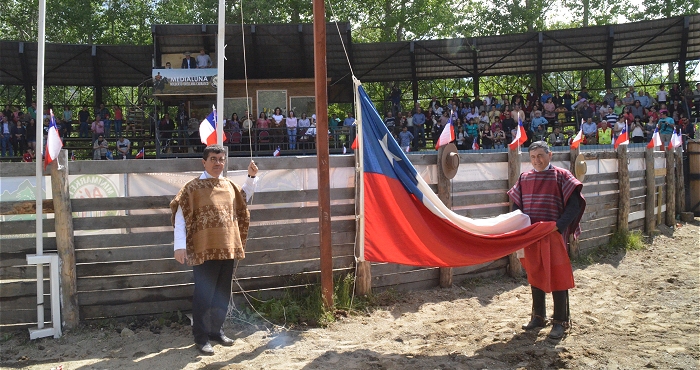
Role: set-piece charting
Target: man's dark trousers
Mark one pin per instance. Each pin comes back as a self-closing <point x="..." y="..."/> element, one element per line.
<point x="212" y="290"/>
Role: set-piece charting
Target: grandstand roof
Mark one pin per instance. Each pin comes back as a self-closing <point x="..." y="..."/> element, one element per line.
<point x="286" y="51"/>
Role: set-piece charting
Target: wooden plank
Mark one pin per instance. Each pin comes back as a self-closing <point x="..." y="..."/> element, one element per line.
<point x="129" y="268"/>
<point x="598" y="214"/>
<point x="296" y="241"/>
<point x="135" y="281"/>
<point x="20" y="288"/>
<point x="284" y="229"/>
<point x="135" y="308"/>
<point x="291" y="267"/>
<point x="121" y="240"/>
<point x="21" y="272"/>
<point x="22" y="315"/>
<point x="300" y="196"/>
<point x="636" y="224"/>
<point x="284" y="281"/>
<point x="464" y="186"/>
<point x="431" y="275"/>
<point x="588" y="234"/>
<point x="640" y="174"/>
<point x="599" y="223"/>
<point x="636" y="207"/>
<point x="22" y="227"/>
<point x="122" y="222"/>
<point x="27" y="244"/>
<point x="589" y="189"/>
<point x="476" y="157"/>
<point x="297" y="212"/>
<point x="466" y="271"/>
<point x="380" y="269"/>
<point x="125" y="296"/>
<point x="23" y="207"/>
<point x="600" y="177"/>
<point x="638" y="183"/>
<point x="293" y="254"/>
<point x="599" y="199"/>
<point x="638" y="192"/>
<point x="595" y="242"/>
<point x="659" y="181"/>
<point x="121" y="203"/>
<point x="479" y="199"/>
<point x="483" y="212"/>
<point x="599" y="155"/>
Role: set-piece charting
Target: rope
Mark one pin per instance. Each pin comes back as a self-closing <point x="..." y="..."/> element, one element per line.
<point x="347" y="57"/>
<point x="247" y="97"/>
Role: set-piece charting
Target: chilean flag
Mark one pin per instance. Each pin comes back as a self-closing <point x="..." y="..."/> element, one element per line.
<point x="277" y="152"/>
<point x="655" y="139"/>
<point x="393" y="193"/>
<point x="53" y="142"/>
<point x="207" y="129"/>
<point x="520" y="136"/>
<point x="141" y="154"/>
<point x="676" y="140"/>
<point x="448" y="134"/>
<point x="578" y="138"/>
<point x="623" y="139"/>
<point x="475" y="144"/>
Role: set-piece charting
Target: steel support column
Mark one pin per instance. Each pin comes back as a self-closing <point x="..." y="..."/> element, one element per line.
<point x="414" y="78"/>
<point x="26" y="76"/>
<point x="96" y="77"/>
<point x="475" y="68"/>
<point x="684" y="52"/>
<point x="538" y="73"/>
<point x="609" y="57"/>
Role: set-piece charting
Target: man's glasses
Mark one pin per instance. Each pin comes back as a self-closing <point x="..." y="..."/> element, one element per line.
<point x="217" y="160"/>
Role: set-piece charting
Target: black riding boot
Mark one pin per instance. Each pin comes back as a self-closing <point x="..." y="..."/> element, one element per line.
<point x="560" y="319"/>
<point x="539" y="310"/>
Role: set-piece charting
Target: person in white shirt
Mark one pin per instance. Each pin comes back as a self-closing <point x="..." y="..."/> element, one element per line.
<point x="210" y="244"/>
<point x="203" y="60"/>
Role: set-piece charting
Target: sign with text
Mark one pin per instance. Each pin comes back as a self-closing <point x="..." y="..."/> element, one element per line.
<point x="184" y="81"/>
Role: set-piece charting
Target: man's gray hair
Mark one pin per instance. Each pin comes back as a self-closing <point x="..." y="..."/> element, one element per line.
<point x="216" y="148"/>
<point x="539" y="145"/>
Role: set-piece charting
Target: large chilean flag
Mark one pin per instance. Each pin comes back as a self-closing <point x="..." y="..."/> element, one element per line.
<point x="405" y="222"/>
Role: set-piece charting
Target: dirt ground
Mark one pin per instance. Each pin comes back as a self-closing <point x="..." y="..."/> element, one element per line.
<point x="632" y="310"/>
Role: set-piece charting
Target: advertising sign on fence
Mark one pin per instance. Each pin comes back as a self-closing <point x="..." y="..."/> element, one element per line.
<point x="184" y="81"/>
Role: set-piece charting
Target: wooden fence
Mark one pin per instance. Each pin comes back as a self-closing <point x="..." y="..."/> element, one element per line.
<point x="123" y="245"/>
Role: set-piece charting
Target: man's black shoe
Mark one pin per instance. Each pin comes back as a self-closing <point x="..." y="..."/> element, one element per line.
<point x="205" y="349"/>
<point x="222" y="339"/>
<point x="535" y="322"/>
<point x="557" y="331"/>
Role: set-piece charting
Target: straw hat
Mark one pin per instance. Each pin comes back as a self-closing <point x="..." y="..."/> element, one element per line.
<point x="450" y="160"/>
<point x="580" y="167"/>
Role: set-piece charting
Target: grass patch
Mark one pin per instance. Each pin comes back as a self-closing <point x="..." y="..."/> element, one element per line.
<point x="305" y="306"/>
<point x="620" y="241"/>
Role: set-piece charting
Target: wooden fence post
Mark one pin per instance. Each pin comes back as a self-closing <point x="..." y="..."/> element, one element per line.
<point x="445" y="195"/>
<point x="623" y="173"/>
<point x="650" y="201"/>
<point x="514" y="266"/>
<point x="63" y="219"/>
<point x="670" y="188"/>
<point x="363" y="278"/>
<point x="573" y="242"/>
<point x="680" y="181"/>
<point x="694" y="175"/>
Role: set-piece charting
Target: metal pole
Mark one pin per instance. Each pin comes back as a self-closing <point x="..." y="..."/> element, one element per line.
<point x="220" y="38"/>
<point x="324" y="189"/>
<point x="39" y="163"/>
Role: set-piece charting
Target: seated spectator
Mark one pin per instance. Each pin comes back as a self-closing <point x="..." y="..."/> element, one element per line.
<point x="123" y="147"/>
<point x="649" y="128"/>
<point x="203" y="59"/>
<point x="590" y="131"/>
<point x="637" y="129"/>
<point x="499" y="138"/>
<point x="562" y="113"/>
<point x="101" y="149"/>
<point x="460" y="139"/>
<point x="538" y="120"/>
<point x="556" y="138"/>
<point x="586" y="111"/>
<point x="549" y="110"/>
<point x="619" y="107"/>
<point x="539" y="134"/>
<point x="604" y="135"/>
<point x="486" y="137"/>
<point x="643" y="99"/>
<point x="405" y="139"/>
<point x="637" y="109"/>
<point x="628" y="99"/>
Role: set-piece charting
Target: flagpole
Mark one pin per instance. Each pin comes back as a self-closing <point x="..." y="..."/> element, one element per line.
<point x="361" y="171"/>
<point x="220" y="53"/>
<point x="39" y="162"/>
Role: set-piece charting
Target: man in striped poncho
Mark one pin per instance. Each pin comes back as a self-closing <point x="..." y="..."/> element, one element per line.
<point x="548" y="193"/>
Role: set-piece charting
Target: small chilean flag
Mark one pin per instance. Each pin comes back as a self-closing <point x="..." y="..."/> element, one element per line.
<point x="207" y="129"/>
<point x="53" y="142"/>
<point x="676" y="140"/>
<point x="141" y="154"/>
<point x="475" y="144"/>
<point x="577" y="139"/>
<point x="520" y="136"/>
<point x="448" y="134"/>
<point x="655" y="139"/>
<point x="276" y="153"/>
<point x="623" y="139"/>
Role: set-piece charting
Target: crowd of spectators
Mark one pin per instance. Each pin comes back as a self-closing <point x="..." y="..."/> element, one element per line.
<point x="492" y="121"/>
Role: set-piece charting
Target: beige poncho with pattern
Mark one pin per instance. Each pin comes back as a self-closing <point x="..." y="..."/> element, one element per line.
<point x="216" y="218"/>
